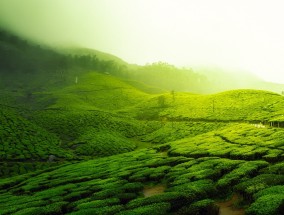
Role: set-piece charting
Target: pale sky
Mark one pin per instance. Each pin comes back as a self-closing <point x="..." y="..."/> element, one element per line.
<point x="233" y="34"/>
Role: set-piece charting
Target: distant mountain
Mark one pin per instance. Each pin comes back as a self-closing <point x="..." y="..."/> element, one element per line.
<point x="29" y="66"/>
<point x="170" y="78"/>
<point x="25" y="64"/>
<point x="222" y="80"/>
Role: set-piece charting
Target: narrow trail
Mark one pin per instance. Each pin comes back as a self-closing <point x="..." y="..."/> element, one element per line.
<point x="227" y="207"/>
<point x="153" y="190"/>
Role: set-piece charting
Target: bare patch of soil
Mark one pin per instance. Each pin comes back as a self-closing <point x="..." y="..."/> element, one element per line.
<point x="153" y="190"/>
<point x="227" y="207"/>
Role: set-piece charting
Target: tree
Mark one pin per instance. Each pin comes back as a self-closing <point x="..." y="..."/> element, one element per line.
<point x="161" y="101"/>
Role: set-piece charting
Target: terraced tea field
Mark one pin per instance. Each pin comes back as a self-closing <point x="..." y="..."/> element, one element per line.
<point x="114" y="185"/>
<point x="104" y="147"/>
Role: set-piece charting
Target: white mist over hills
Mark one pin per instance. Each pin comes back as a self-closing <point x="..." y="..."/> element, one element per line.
<point x="234" y="35"/>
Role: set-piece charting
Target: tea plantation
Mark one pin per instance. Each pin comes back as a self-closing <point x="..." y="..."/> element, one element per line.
<point x="95" y="146"/>
<point x="114" y="185"/>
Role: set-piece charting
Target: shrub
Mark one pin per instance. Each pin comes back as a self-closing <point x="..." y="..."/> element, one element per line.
<point x="98" y="203"/>
<point x="245" y="169"/>
<point x="251" y="186"/>
<point x="133" y="187"/>
<point x="206" y="206"/>
<point x="108" y="193"/>
<point x="108" y="210"/>
<point x="30" y="211"/>
<point x="55" y="208"/>
<point x="176" y="199"/>
<point x="153" y="209"/>
<point x="267" y="205"/>
<point x="198" y="189"/>
<point x="271" y="190"/>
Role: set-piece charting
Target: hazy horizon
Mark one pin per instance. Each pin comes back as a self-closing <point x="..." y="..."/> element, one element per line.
<point x="236" y="35"/>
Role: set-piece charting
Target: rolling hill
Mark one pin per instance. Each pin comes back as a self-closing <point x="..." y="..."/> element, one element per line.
<point x="79" y="135"/>
<point x="235" y="105"/>
<point x="97" y="91"/>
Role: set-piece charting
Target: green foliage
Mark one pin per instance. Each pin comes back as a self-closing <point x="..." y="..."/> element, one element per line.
<point x="246" y="169"/>
<point x="75" y="126"/>
<point x="197" y="189"/>
<point x="114" y="184"/>
<point x="155" y="209"/>
<point x="235" y="105"/>
<point x="98" y="203"/>
<point x="108" y="210"/>
<point x="24" y="141"/>
<point x="176" y="199"/>
<point x="267" y="204"/>
<point x="21" y="138"/>
<point x="207" y="146"/>
<point x="171" y="131"/>
<point x="205" y="206"/>
<point x="279" y="189"/>
<point x="249" y="187"/>
<point x="103" y="143"/>
<point x="96" y="91"/>
<point x="256" y="143"/>
<point x="275" y="169"/>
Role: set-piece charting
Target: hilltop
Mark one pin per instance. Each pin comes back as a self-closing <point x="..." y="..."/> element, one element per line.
<point x="236" y="105"/>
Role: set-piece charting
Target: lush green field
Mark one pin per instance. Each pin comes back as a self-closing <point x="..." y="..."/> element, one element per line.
<point x="114" y="185"/>
<point x="93" y="147"/>
<point x="97" y="91"/>
<point x="83" y="132"/>
<point x="26" y="146"/>
<point x="236" y="105"/>
<point x="239" y="141"/>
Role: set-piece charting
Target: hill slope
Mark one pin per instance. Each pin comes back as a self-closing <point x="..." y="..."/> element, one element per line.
<point x="233" y="105"/>
<point x="115" y="185"/>
<point x="23" y="140"/>
<point x="97" y="91"/>
<point x="79" y="133"/>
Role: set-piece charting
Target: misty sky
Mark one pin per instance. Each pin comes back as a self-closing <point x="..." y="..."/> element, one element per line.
<point x="235" y="34"/>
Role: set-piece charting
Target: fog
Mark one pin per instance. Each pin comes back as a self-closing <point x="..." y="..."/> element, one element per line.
<point x="234" y="35"/>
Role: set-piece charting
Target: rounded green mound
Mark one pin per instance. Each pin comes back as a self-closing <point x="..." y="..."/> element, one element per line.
<point x="22" y="140"/>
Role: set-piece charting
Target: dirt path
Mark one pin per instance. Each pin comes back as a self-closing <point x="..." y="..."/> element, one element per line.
<point x="154" y="190"/>
<point x="227" y="207"/>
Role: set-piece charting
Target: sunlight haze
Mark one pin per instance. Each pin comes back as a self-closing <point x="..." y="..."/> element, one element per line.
<point x="244" y="35"/>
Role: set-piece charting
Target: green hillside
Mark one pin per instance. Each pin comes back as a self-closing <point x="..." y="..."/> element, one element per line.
<point x="79" y="127"/>
<point x="239" y="141"/>
<point x="97" y="91"/>
<point x="25" y="146"/>
<point x="39" y="67"/>
<point x="242" y="105"/>
<point x="85" y="133"/>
